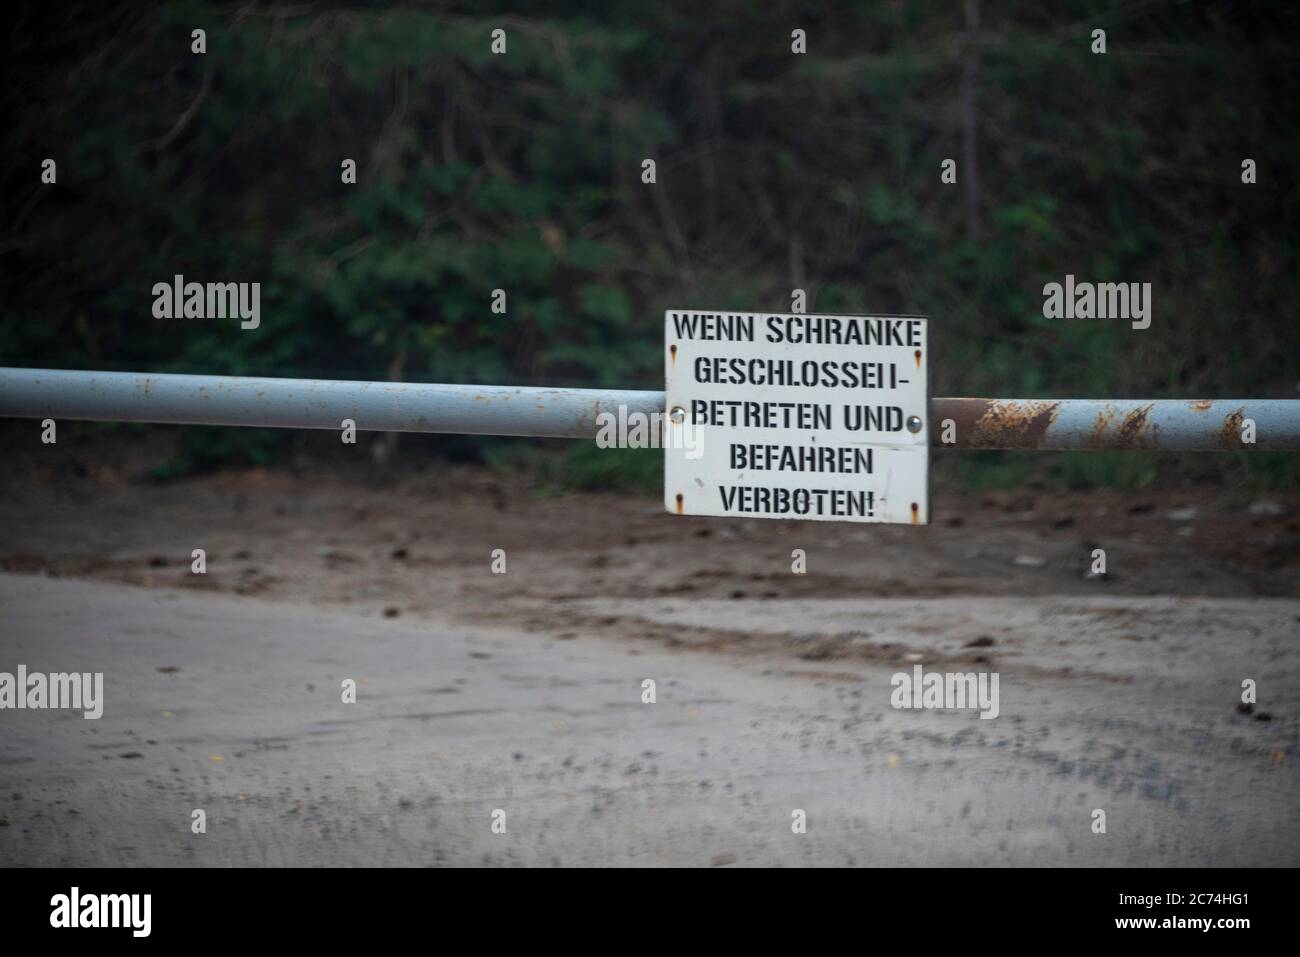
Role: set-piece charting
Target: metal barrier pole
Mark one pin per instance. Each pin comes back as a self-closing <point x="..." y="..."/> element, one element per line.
<point x="1172" y="424"/>
<point x="312" y="403"/>
<point x="1203" y="425"/>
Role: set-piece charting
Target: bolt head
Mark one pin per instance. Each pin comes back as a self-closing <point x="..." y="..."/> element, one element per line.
<point x="677" y="415"/>
<point x="914" y="424"/>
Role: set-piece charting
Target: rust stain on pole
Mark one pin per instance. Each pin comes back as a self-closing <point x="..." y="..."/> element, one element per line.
<point x="1230" y="434"/>
<point x="995" y="424"/>
<point x="1101" y="425"/>
<point x="1133" y="431"/>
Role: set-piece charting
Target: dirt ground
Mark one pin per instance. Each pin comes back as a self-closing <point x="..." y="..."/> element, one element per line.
<point x="1119" y="691"/>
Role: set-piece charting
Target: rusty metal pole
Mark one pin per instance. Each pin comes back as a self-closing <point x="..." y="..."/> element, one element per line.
<point x="1173" y="424"/>
<point x="1202" y="425"/>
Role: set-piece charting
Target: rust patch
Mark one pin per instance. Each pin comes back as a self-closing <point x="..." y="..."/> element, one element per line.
<point x="1230" y="434"/>
<point x="1201" y="405"/>
<point x="1100" y="426"/>
<point x="672" y="351"/>
<point x="993" y="424"/>
<point x="918" y="358"/>
<point x="681" y="503"/>
<point x="1133" y="432"/>
<point x="916" y="514"/>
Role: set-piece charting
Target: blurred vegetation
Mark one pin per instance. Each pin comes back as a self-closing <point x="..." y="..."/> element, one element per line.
<point x="775" y="171"/>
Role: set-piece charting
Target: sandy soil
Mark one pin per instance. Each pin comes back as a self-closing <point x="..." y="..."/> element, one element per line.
<point x="522" y="691"/>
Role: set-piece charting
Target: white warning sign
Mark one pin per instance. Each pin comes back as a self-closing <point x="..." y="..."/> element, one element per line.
<point x="813" y="417"/>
